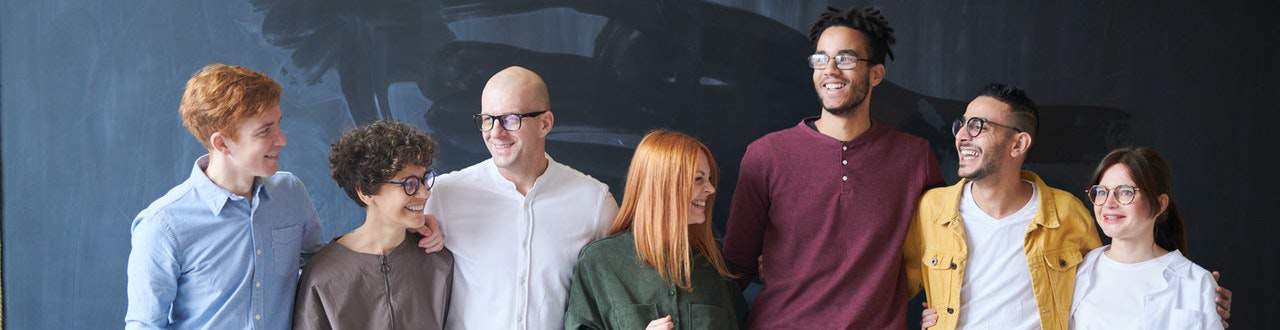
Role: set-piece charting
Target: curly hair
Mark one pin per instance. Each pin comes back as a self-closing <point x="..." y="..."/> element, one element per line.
<point x="369" y="155"/>
<point x="867" y="20"/>
<point x="219" y="97"/>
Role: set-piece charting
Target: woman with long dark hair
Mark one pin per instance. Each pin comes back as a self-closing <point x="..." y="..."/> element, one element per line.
<point x="1141" y="280"/>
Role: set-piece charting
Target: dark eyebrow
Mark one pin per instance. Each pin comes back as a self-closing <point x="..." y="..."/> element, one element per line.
<point x="849" y="52"/>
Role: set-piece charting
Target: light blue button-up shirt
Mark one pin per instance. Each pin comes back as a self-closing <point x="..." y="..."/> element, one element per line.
<point x="204" y="258"/>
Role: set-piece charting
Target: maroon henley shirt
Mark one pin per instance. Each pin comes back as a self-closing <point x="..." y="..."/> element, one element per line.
<point x="830" y="218"/>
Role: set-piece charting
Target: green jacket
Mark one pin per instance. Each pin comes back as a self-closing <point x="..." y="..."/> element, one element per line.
<point x="613" y="289"/>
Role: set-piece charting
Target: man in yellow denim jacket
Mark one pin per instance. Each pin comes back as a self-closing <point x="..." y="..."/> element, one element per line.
<point x="1059" y="236"/>
<point x="992" y="141"/>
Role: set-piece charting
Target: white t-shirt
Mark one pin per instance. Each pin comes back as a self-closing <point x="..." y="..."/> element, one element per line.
<point x="514" y="254"/>
<point x="1116" y="299"/>
<point x="997" y="292"/>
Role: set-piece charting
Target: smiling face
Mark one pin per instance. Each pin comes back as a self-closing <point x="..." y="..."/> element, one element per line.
<point x="842" y="91"/>
<point x="987" y="153"/>
<point x="1118" y="221"/>
<point x="703" y="190"/>
<point x="390" y="205"/>
<point x="516" y="90"/>
<point x="256" y="148"/>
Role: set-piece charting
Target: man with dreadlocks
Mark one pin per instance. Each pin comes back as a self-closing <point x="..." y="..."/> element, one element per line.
<point x="826" y="203"/>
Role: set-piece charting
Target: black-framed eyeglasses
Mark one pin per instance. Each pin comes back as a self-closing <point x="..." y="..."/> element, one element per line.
<point x="413" y="183"/>
<point x="1124" y="194"/>
<point x="510" y="121"/>
<point x="975" y="125"/>
<point x="843" y="61"/>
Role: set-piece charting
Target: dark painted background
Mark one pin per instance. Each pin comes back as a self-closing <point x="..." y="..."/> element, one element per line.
<point x="90" y="134"/>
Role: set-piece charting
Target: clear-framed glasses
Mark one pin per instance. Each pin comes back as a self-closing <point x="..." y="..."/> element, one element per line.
<point x="843" y="61"/>
<point x="510" y="121"/>
<point x="413" y="183"/>
<point x="975" y="125"/>
<point x="1124" y="194"/>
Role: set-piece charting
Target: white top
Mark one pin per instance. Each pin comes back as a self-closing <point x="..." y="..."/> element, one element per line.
<point x="997" y="291"/>
<point x="1168" y="292"/>
<point x="514" y="254"/>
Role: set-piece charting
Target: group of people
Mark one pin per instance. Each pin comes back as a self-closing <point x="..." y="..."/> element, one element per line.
<point x="842" y="219"/>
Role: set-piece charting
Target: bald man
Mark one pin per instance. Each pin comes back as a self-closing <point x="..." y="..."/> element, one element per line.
<point x="516" y="221"/>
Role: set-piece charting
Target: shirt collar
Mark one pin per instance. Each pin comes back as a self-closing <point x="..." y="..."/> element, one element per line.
<point x="1046" y="217"/>
<point x="509" y="186"/>
<point x="812" y="132"/>
<point x="216" y="197"/>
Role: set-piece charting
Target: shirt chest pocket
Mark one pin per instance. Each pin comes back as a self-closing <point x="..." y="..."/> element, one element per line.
<point x="1189" y="319"/>
<point x="286" y="250"/>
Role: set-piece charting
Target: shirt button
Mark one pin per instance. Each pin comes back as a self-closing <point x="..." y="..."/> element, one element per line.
<point x="844" y="148"/>
<point x="671" y="292"/>
<point x="257" y="317"/>
<point x="950" y="311"/>
<point x="844" y="162"/>
<point x="257" y="284"/>
<point x="844" y="178"/>
<point x="259" y="251"/>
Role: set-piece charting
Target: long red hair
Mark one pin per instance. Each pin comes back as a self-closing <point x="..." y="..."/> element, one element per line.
<point x="655" y="206"/>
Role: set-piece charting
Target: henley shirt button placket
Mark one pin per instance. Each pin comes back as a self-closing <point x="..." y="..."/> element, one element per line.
<point x="844" y="162"/>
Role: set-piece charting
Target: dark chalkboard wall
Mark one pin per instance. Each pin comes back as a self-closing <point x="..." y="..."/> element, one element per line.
<point x="89" y="93"/>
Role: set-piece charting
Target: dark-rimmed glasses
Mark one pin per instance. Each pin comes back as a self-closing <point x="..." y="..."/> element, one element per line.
<point x="975" y="126"/>
<point x="843" y="61"/>
<point x="1124" y="194"/>
<point x="413" y="183"/>
<point x="510" y="121"/>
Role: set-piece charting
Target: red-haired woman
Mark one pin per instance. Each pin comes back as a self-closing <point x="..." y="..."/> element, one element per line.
<point x="660" y="267"/>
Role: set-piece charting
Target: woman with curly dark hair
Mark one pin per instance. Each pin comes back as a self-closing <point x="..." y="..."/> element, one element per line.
<point x="374" y="277"/>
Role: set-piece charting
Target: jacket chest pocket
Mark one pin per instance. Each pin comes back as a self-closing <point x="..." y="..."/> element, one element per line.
<point x="942" y="279"/>
<point x="1060" y="272"/>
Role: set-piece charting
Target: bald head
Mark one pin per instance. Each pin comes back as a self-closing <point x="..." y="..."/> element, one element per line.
<point x="515" y="89"/>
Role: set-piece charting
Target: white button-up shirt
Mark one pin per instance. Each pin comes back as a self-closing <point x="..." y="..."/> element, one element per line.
<point x="1182" y="299"/>
<point x="514" y="254"/>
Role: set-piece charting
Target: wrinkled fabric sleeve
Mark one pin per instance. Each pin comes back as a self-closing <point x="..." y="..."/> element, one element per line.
<point x="153" y="270"/>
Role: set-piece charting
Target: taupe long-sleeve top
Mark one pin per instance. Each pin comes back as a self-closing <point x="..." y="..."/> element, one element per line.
<point x="344" y="289"/>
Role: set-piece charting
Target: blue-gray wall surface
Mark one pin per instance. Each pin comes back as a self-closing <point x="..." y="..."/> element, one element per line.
<point x="90" y="131"/>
